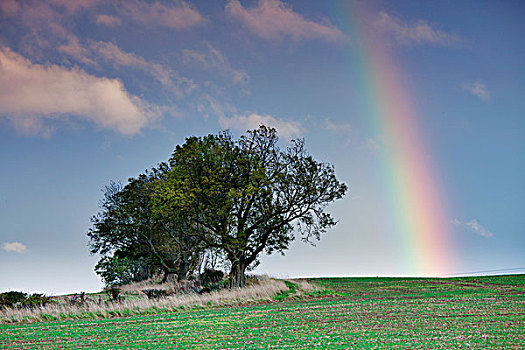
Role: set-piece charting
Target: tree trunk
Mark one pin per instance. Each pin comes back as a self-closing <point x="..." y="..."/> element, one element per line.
<point x="237" y="278"/>
<point x="183" y="270"/>
<point x="167" y="273"/>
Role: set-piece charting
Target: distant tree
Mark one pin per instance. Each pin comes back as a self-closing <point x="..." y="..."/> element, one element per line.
<point x="246" y="197"/>
<point x="12" y="297"/>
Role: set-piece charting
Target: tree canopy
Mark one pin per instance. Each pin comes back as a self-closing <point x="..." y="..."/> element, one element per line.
<point x="239" y="197"/>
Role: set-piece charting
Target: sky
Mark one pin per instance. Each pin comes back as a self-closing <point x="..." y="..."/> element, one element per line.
<point x="419" y="106"/>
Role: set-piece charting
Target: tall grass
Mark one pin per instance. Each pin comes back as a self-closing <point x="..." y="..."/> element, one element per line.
<point x="265" y="289"/>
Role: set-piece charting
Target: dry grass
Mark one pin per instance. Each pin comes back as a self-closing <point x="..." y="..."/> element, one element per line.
<point x="265" y="289"/>
<point x="170" y="287"/>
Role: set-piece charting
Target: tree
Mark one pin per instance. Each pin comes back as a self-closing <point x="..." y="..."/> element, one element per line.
<point x="130" y="236"/>
<point x="120" y="269"/>
<point x="246" y="197"/>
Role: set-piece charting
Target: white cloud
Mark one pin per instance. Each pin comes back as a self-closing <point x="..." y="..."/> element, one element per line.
<point x="273" y="20"/>
<point x="177" y="15"/>
<point x="414" y="33"/>
<point x="474" y="226"/>
<point x="214" y="60"/>
<point x="108" y="20"/>
<point x="477" y="89"/>
<point x="15" y="247"/>
<point x="31" y="94"/>
<point x="286" y="129"/>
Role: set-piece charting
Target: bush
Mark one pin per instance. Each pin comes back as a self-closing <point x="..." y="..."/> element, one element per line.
<point x="37" y="300"/>
<point x="113" y="293"/>
<point x="11" y="298"/>
<point x="155" y="293"/>
<point x="210" y="276"/>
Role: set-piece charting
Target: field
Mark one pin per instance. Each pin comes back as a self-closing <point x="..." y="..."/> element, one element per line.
<point x="473" y="312"/>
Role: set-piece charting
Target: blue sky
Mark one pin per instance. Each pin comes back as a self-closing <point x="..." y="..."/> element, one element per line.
<point x="93" y="91"/>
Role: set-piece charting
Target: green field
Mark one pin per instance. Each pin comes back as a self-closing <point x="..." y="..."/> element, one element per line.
<point x="473" y="312"/>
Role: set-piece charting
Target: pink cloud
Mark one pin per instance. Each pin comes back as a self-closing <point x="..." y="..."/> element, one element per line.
<point x="9" y="7"/>
<point x="73" y="6"/>
<point x="32" y="95"/>
<point x="214" y="60"/>
<point x="107" y="20"/>
<point x="414" y="33"/>
<point x="273" y="20"/>
<point x="180" y="16"/>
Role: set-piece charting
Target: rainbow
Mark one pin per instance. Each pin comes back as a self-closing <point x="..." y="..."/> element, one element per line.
<point x="415" y="198"/>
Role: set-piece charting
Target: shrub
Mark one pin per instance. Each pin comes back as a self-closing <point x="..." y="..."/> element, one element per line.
<point x="11" y="298"/>
<point x="114" y="293"/>
<point x="37" y="299"/>
<point x="14" y="298"/>
<point x="155" y="293"/>
<point x="210" y="276"/>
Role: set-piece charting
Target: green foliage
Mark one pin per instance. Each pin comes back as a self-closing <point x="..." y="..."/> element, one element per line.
<point x="23" y="299"/>
<point x="117" y="271"/>
<point x="37" y="299"/>
<point x="11" y="298"/>
<point x="285" y="294"/>
<point x="247" y="197"/>
<point x="239" y="197"/>
<point x="113" y="293"/>
<point x="210" y="276"/>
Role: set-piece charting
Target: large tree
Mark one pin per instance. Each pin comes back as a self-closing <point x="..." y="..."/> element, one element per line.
<point x="127" y="233"/>
<point x="247" y="197"/>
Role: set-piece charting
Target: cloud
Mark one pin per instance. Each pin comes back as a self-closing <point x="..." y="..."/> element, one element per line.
<point x="31" y="94"/>
<point x="9" y="7"/>
<point x="76" y="5"/>
<point x="273" y="20"/>
<point x="97" y="51"/>
<point x="167" y="77"/>
<point x="344" y="131"/>
<point x="286" y="129"/>
<point x="371" y="144"/>
<point x="107" y="20"/>
<point x="177" y="15"/>
<point x="477" y="89"/>
<point x="474" y="226"/>
<point x="418" y="32"/>
<point x="76" y="50"/>
<point x="15" y="247"/>
<point x="350" y="135"/>
<point x="37" y="14"/>
<point x="214" y="60"/>
<point x="346" y="128"/>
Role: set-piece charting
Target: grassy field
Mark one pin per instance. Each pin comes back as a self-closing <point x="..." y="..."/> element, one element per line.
<point x="474" y="312"/>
